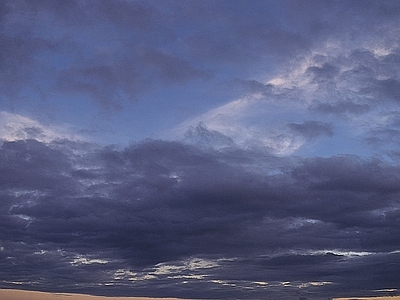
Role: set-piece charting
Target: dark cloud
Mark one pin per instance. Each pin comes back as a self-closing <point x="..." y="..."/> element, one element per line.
<point x="252" y="87"/>
<point x="340" y="108"/>
<point x="75" y="216"/>
<point x="110" y="53"/>
<point x="390" y="88"/>
<point x="229" y="35"/>
<point x="69" y="11"/>
<point x="325" y="72"/>
<point x="133" y="15"/>
<point x="312" y="18"/>
<point x="109" y="85"/>
<point x="347" y="85"/>
<point x="202" y="136"/>
<point x="112" y="84"/>
<point x="16" y="60"/>
<point x="171" y="69"/>
<point x="312" y="129"/>
<point x="113" y="52"/>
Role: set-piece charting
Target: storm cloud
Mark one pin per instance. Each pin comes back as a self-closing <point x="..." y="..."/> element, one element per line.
<point x="200" y="149"/>
<point x="169" y="219"/>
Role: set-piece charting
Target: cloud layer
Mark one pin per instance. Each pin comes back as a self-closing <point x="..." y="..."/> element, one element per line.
<point x="169" y="219"/>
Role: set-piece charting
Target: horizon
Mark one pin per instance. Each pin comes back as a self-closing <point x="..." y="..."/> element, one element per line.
<point x="14" y="294"/>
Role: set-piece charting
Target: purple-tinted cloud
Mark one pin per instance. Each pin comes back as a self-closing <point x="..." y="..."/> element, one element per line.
<point x="102" y="211"/>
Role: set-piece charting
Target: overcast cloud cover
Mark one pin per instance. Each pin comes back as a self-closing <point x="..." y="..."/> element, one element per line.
<point x="200" y="149"/>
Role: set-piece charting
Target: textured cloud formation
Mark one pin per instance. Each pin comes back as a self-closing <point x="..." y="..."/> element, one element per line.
<point x="113" y="52"/>
<point x="168" y="219"/>
<point x="91" y="48"/>
<point x="355" y="91"/>
<point x="15" y="127"/>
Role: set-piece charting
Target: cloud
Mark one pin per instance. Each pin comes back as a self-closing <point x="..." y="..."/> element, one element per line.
<point x="312" y="129"/>
<point x="353" y="91"/>
<point x="201" y="136"/>
<point x="14" y="127"/>
<point x="100" y="51"/>
<point x="113" y="53"/>
<point x="248" y="122"/>
<point x="129" y="14"/>
<point x="112" y="84"/>
<point x="16" y="60"/>
<point x="342" y="108"/>
<point x="180" y="220"/>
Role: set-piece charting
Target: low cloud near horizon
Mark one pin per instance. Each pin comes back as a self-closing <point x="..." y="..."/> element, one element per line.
<point x="31" y="295"/>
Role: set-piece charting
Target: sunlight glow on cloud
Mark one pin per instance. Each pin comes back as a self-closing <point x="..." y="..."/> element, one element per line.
<point x="249" y="123"/>
<point x="81" y="260"/>
<point x="14" y="127"/>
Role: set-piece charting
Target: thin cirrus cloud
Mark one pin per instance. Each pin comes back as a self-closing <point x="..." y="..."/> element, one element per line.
<point x="273" y="167"/>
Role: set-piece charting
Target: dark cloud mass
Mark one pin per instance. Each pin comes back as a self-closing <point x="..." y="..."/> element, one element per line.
<point x="290" y="189"/>
<point x="312" y="129"/>
<point x="168" y="219"/>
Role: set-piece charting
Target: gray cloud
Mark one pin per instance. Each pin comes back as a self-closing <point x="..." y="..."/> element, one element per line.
<point x="115" y="52"/>
<point x="89" y="216"/>
<point x="104" y="50"/>
<point x="312" y="129"/>
<point x="16" y="60"/>
<point x="353" y="83"/>
<point x="342" y="107"/>
<point x="112" y="84"/>
<point x="202" y="136"/>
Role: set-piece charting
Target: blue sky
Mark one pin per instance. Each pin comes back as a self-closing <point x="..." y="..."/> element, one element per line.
<point x="200" y="149"/>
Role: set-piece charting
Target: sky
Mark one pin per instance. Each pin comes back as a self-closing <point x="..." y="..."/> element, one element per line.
<point x="200" y="149"/>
